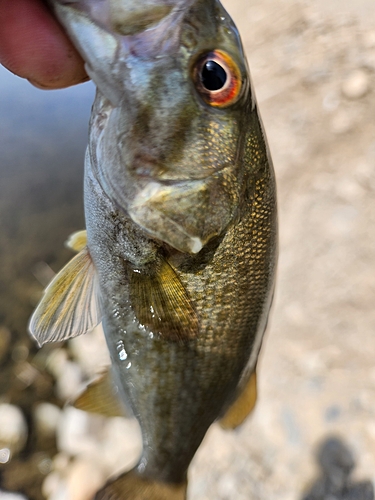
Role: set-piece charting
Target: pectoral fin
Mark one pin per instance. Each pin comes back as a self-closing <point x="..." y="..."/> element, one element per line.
<point x="162" y="304"/>
<point x="77" y="241"/>
<point x="70" y="305"/>
<point x="100" y="397"/>
<point x="242" y="406"/>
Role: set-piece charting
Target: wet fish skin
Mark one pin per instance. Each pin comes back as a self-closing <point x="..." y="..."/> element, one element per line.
<point x="180" y="209"/>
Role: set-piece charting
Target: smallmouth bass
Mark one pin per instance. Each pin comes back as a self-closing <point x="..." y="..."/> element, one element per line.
<point x="180" y="204"/>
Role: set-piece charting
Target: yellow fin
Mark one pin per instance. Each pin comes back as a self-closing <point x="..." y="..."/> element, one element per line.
<point x="134" y="487"/>
<point x="100" y="397"/>
<point x="70" y="304"/>
<point x="162" y="304"/>
<point x="242" y="406"/>
<point x="77" y="241"/>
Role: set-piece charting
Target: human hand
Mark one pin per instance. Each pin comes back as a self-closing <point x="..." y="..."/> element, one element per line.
<point x="34" y="46"/>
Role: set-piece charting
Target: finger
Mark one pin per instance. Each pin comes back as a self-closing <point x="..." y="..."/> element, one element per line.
<point x="34" y="46"/>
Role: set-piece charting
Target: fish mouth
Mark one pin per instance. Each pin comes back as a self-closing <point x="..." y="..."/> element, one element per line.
<point x="125" y="17"/>
<point x="146" y="167"/>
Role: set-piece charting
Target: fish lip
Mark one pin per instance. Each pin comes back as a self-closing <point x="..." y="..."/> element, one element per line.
<point x="176" y="181"/>
<point x="145" y="166"/>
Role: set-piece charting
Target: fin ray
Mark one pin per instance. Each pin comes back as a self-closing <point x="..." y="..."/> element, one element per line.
<point x="70" y="305"/>
<point x="131" y="486"/>
<point x="162" y="304"/>
<point x="99" y="397"/>
<point x="242" y="406"/>
<point x="77" y="241"/>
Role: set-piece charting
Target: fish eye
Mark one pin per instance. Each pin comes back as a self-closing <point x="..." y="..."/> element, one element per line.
<point x="218" y="79"/>
<point x="213" y="76"/>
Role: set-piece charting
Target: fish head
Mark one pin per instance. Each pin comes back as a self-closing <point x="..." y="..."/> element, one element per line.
<point x="169" y="126"/>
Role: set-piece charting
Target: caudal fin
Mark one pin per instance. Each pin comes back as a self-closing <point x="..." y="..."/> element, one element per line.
<point x="131" y="486"/>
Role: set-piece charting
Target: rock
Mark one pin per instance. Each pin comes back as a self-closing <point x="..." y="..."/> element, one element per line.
<point x="46" y="417"/>
<point x="56" y="361"/>
<point x="91" y="352"/>
<point x="4" y="341"/>
<point x="114" y="444"/>
<point x="342" y="122"/>
<point x="84" y="478"/>
<point x="7" y="495"/>
<point x="52" y="484"/>
<point x="69" y="381"/>
<point x="61" y="462"/>
<point x="80" y="480"/>
<point x="121" y="444"/>
<point x="369" y="39"/>
<point x="348" y="189"/>
<point x="20" y="352"/>
<point x="356" y="84"/>
<point x="13" y="429"/>
<point x="331" y="101"/>
<point x="79" y="433"/>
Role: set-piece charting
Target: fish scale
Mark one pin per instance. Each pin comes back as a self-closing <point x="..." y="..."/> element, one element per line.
<point x="180" y="208"/>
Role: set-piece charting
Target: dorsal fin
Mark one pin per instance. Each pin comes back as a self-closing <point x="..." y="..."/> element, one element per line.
<point x="70" y="304"/>
<point x="162" y="304"/>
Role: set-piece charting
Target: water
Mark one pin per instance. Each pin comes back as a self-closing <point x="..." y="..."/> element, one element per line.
<point x="43" y="135"/>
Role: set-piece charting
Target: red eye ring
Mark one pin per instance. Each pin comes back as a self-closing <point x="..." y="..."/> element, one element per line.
<point x="218" y="79"/>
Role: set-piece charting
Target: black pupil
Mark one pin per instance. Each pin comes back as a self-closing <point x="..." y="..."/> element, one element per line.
<point x="213" y="76"/>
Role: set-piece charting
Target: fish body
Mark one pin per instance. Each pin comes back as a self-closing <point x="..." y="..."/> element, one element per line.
<point x="180" y="208"/>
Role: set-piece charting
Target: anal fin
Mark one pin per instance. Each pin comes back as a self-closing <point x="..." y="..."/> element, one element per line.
<point x="242" y="406"/>
<point x="161" y="303"/>
<point x="99" y="397"/>
<point x="70" y="305"/>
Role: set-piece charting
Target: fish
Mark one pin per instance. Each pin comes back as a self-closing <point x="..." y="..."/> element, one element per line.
<point x="178" y="258"/>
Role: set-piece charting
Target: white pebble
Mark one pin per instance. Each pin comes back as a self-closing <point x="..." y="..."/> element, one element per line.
<point x="356" y="84"/>
<point x="52" y="484"/>
<point x="13" y="428"/>
<point x="69" y="381"/>
<point x="6" y="495"/>
<point x="61" y="462"/>
<point x="46" y="418"/>
<point x="121" y="444"/>
<point x="56" y="362"/>
<point x="342" y="122"/>
<point x="369" y="39"/>
<point x="84" y="479"/>
<point x="61" y="493"/>
<point x="79" y="432"/>
<point x="80" y="480"/>
<point x="91" y="352"/>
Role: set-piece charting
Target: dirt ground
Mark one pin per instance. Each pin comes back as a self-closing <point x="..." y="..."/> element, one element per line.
<point x="313" y="68"/>
<point x="312" y="435"/>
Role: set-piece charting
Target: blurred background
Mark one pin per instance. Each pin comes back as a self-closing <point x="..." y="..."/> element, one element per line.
<point x="312" y="435"/>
